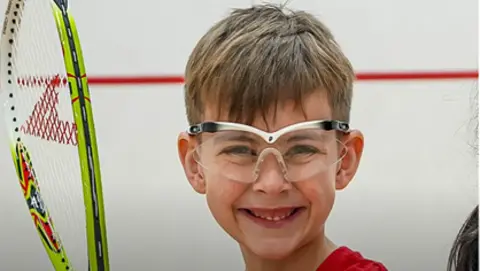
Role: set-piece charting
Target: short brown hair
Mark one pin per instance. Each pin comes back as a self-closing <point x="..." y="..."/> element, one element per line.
<point x="264" y="55"/>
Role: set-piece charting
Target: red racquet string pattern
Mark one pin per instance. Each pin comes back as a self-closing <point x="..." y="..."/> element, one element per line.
<point x="44" y="122"/>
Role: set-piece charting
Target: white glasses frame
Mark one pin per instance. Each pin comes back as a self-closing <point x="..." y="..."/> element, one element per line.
<point x="213" y="127"/>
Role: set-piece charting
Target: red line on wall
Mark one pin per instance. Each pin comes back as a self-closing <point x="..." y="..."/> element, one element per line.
<point x="361" y="76"/>
<point x="135" y="80"/>
<point x="395" y="76"/>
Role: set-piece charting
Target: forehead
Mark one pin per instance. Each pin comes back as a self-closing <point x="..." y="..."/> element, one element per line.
<point x="313" y="107"/>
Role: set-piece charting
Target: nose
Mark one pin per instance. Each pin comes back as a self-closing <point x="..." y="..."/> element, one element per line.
<point x="271" y="178"/>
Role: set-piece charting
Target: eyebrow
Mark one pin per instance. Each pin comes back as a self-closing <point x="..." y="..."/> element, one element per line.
<point x="237" y="137"/>
<point x="307" y="136"/>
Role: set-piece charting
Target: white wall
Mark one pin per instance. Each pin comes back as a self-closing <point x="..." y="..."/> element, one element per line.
<point x="417" y="182"/>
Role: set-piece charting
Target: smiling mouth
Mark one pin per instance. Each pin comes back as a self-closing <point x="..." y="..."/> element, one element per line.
<point x="273" y="215"/>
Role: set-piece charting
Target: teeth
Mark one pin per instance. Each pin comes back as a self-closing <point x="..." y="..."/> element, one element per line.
<point x="274" y="218"/>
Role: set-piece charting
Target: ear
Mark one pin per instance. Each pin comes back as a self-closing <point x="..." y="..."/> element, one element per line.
<point x="354" y="143"/>
<point x="193" y="172"/>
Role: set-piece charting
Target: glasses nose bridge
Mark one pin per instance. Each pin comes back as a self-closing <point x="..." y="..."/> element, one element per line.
<point x="277" y="155"/>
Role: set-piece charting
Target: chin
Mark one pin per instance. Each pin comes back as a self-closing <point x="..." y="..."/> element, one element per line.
<point x="271" y="250"/>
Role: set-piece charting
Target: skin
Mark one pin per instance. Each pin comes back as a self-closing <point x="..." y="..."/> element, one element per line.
<point x="301" y="244"/>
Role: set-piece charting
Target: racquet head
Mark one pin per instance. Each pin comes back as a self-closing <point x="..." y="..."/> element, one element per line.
<point x="52" y="138"/>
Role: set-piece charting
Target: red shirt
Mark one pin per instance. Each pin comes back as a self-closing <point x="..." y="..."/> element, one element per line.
<point x="344" y="259"/>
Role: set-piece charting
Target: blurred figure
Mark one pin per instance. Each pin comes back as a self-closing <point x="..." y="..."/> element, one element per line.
<point x="464" y="253"/>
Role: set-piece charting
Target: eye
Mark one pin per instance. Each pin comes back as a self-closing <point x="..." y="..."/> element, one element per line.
<point x="238" y="150"/>
<point x="301" y="150"/>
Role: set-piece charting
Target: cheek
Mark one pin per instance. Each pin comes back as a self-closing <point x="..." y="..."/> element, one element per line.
<point x="320" y="187"/>
<point x="221" y="195"/>
<point x="320" y="192"/>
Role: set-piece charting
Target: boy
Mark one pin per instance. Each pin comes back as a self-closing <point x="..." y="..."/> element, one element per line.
<point x="268" y="97"/>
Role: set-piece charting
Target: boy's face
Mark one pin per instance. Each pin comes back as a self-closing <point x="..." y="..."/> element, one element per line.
<point x="271" y="197"/>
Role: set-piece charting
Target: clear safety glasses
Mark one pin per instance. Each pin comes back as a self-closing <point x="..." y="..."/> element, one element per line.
<point x="237" y="151"/>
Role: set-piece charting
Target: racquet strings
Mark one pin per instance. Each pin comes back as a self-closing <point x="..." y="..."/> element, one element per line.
<point x="44" y="116"/>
